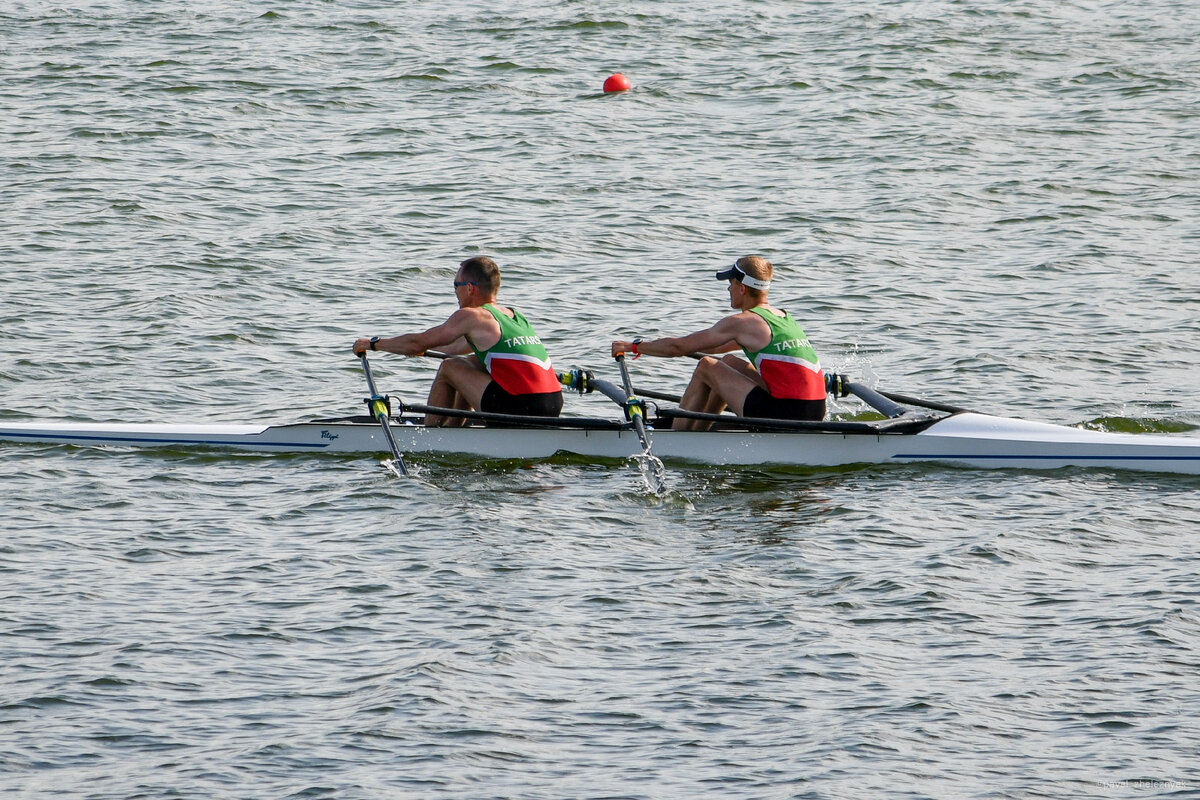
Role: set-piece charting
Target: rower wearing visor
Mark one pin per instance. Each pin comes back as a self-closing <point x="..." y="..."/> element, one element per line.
<point x="499" y="365"/>
<point x="782" y="379"/>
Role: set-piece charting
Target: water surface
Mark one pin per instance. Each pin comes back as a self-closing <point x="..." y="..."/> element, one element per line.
<point x="992" y="204"/>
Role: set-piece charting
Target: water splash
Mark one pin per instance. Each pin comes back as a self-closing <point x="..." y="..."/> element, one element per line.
<point x="391" y="466"/>
<point x="653" y="472"/>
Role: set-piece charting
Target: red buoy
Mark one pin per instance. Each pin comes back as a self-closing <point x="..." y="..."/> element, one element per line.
<point x="617" y="83"/>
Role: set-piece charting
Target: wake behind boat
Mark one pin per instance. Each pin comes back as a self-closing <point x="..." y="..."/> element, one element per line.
<point x="914" y="431"/>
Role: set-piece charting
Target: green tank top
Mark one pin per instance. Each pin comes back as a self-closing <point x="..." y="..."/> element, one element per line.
<point x="788" y="364"/>
<point x="518" y="362"/>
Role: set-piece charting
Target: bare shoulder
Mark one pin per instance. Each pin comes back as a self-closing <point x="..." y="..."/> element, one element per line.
<point x="472" y="315"/>
<point x="747" y="319"/>
<point x="479" y="320"/>
<point x="749" y="329"/>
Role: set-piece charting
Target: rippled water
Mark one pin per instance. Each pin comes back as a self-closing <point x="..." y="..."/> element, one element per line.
<point x="992" y="204"/>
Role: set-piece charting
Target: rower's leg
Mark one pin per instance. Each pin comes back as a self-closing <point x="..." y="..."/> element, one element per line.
<point x="460" y="403"/>
<point x="459" y="384"/>
<point x="714" y="386"/>
<point x="696" y="397"/>
<point x="745" y="368"/>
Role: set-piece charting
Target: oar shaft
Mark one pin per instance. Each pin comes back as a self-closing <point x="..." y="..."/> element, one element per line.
<point x="875" y="400"/>
<point x="635" y="411"/>
<point x="367" y="372"/>
<point x="917" y="401"/>
<point x="674" y="398"/>
<point x="378" y="406"/>
<point x="610" y="390"/>
<point x="632" y="409"/>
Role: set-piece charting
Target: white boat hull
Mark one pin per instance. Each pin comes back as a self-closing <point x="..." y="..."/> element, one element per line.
<point x="967" y="439"/>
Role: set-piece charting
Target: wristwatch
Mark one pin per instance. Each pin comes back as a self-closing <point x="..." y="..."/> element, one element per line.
<point x="374" y="339"/>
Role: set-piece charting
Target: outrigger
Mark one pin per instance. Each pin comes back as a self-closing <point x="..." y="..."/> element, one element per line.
<point x="913" y="431"/>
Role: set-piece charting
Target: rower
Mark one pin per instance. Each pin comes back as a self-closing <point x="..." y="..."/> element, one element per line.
<point x="783" y="378"/>
<point x="498" y="362"/>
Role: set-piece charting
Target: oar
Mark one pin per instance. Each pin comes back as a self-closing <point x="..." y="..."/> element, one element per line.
<point x="674" y="398"/>
<point x="635" y="410"/>
<point x="378" y="405"/>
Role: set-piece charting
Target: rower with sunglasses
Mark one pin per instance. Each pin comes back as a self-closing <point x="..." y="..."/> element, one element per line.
<point x="783" y="379"/>
<point x="499" y="365"/>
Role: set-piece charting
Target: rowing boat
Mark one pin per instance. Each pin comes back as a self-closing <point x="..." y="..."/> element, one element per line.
<point x="912" y="431"/>
<point x="963" y="438"/>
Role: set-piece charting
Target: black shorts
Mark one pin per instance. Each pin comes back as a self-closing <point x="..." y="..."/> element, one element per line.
<point x="759" y="403"/>
<point x="497" y="401"/>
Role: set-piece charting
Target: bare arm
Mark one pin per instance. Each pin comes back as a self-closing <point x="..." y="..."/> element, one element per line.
<point x="459" y="347"/>
<point x="727" y="335"/>
<point x="450" y="336"/>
